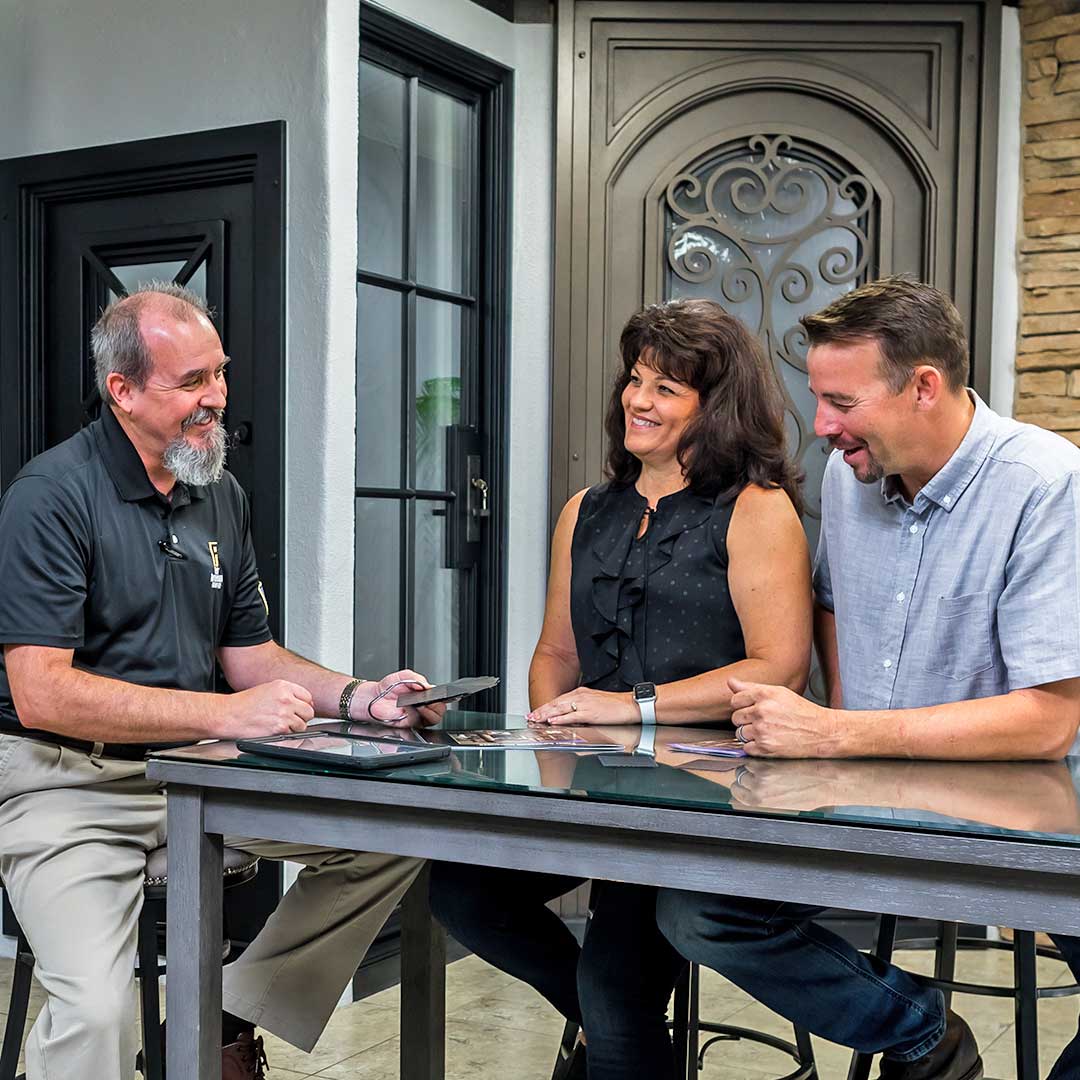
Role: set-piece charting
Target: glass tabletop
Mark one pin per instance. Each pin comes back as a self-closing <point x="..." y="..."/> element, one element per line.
<point x="1037" y="800"/>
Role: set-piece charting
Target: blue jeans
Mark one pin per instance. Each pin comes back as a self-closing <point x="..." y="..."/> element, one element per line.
<point x="1067" y="1067"/>
<point x="616" y="986"/>
<point x="804" y="972"/>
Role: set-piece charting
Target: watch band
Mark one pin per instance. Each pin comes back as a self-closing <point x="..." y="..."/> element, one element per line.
<point x="345" y="701"/>
<point x="647" y="708"/>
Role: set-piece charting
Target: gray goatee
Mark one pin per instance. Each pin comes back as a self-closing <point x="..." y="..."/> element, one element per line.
<point x="193" y="465"/>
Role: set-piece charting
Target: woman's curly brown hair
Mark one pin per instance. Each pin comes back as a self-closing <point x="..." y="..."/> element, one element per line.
<point x="737" y="438"/>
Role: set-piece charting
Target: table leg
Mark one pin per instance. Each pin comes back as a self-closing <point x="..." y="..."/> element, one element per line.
<point x="193" y="963"/>
<point x="423" y="987"/>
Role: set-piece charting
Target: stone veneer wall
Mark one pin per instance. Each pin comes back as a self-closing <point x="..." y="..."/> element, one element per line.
<point x="1048" y="352"/>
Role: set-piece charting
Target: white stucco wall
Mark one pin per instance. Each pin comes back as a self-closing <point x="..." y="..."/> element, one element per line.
<point x="77" y="73"/>
<point x="1006" y="281"/>
<point x="528" y="50"/>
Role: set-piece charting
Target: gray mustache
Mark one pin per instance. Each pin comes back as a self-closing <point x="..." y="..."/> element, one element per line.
<point x="201" y="416"/>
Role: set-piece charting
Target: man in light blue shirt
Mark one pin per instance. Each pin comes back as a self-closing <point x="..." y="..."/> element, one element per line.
<point x="947" y="582"/>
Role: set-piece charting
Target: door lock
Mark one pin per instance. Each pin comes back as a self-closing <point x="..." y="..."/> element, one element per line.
<point x="481" y="485"/>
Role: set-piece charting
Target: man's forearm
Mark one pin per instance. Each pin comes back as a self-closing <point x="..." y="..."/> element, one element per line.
<point x="258" y="664"/>
<point x="1023" y="725"/>
<point x="82" y="705"/>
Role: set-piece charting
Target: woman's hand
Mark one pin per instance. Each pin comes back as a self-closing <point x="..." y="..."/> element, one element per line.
<point x="387" y="711"/>
<point x="585" y="706"/>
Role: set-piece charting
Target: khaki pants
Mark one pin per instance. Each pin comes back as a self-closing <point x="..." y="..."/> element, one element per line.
<point x="74" y="835"/>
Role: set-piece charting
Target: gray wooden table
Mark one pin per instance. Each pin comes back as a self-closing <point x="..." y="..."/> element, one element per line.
<point x="1028" y="883"/>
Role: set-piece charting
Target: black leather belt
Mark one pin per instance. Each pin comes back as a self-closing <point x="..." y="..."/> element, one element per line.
<point x="125" y="751"/>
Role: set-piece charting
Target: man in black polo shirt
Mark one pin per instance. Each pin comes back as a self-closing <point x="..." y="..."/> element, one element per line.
<point x="128" y="570"/>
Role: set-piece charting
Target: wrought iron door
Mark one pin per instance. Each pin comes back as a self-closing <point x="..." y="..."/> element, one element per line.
<point x="768" y="156"/>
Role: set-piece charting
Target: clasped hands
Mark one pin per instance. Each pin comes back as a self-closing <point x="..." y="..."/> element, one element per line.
<point x="772" y="721"/>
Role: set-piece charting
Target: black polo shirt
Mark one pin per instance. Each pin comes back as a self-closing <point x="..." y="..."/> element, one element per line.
<point x="82" y="567"/>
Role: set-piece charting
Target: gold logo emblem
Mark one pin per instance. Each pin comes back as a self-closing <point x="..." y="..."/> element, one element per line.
<point x="216" y="577"/>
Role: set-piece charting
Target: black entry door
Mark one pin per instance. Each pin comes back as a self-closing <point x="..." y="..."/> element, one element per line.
<point x="81" y="227"/>
<point x="78" y="229"/>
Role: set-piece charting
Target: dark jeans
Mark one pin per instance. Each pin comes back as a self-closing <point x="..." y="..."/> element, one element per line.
<point x="1067" y="1067"/>
<point x="616" y="986"/>
<point x="804" y="972"/>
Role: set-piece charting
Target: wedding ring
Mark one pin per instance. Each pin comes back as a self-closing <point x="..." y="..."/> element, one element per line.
<point x="740" y="736"/>
<point x="573" y="706"/>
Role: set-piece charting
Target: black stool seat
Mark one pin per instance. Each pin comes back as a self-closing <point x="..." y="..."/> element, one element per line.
<point x="239" y="867"/>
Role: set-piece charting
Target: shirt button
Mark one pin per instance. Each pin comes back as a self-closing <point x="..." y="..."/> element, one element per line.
<point x="913" y="529"/>
<point x="886" y="663"/>
<point x="947" y="500"/>
<point x="899" y="597"/>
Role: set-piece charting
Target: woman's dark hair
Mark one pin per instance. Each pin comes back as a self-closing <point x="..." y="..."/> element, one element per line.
<point x="737" y="438"/>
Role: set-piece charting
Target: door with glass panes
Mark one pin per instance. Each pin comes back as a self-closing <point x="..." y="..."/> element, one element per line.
<point x="429" y="356"/>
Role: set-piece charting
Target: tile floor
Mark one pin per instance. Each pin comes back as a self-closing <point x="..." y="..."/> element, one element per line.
<point x="498" y="1028"/>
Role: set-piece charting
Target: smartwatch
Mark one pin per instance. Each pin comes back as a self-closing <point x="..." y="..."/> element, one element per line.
<point x="645" y="699"/>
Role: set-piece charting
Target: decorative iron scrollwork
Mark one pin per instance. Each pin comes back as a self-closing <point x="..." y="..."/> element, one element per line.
<point x="772" y="227"/>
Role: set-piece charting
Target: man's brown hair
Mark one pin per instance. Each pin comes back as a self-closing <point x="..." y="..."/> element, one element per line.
<point x="911" y="322"/>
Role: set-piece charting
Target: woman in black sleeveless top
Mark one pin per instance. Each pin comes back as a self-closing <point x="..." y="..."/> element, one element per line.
<point x="686" y="569"/>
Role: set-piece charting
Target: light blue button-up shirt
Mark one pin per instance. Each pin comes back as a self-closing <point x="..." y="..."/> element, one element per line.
<point x="971" y="590"/>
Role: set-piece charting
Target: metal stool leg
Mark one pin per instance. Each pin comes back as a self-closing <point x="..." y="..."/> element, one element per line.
<point x="883" y="950"/>
<point x="945" y="956"/>
<point x="153" y="1066"/>
<point x="806" y="1051"/>
<point x="682" y="1017"/>
<point x="1027" y="1023"/>
<point x="15" y="1026"/>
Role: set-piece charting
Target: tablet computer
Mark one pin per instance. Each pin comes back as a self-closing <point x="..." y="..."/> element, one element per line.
<point x="341" y="751"/>
<point x="451" y="691"/>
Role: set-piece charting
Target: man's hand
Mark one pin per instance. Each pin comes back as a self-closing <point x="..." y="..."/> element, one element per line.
<point x="386" y="709"/>
<point x="585" y="706"/>
<point x="273" y="708"/>
<point x="774" y="721"/>
<point x="791" y="785"/>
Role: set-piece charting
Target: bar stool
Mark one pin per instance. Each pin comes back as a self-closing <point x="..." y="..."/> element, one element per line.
<point x="801" y="1051"/>
<point x="686" y="1027"/>
<point x="1025" y="991"/>
<point x="240" y="867"/>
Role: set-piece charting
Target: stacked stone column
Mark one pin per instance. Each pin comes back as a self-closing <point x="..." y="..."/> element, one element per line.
<point x="1048" y="353"/>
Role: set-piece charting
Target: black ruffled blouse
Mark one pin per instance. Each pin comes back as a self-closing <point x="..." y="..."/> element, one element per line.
<point x="654" y="609"/>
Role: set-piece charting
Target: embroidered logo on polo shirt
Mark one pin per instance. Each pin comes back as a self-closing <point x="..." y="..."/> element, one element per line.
<point x="215" y="575"/>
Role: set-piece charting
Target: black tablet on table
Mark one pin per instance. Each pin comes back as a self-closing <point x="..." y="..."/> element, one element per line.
<point x="342" y="751"/>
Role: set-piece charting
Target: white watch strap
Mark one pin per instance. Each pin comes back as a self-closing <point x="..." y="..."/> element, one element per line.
<point x="647" y="740"/>
<point x="647" y="710"/>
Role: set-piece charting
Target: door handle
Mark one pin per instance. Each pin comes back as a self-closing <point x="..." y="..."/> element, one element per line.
<point x="471" y="505"/>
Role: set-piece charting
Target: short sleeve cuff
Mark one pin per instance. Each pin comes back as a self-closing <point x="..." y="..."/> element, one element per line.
<point x="241" y="641"/>
<point x="1025" y="679"/>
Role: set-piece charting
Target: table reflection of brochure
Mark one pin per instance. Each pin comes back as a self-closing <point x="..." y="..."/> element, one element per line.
<point x="711" y="747"/>
<point x="486" y="739"/>
<point x="530" y="739"/>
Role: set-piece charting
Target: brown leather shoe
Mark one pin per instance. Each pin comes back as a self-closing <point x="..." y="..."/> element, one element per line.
<point x="244" y="1059"/>
<point x="956" y="1057"/>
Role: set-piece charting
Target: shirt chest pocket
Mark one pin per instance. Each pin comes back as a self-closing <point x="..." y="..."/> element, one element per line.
<point x="960" y="639"/>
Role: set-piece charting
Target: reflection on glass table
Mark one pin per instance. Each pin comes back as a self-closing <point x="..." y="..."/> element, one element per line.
<point x="979" y="798"/>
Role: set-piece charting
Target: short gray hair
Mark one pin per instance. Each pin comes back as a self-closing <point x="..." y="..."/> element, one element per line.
<point x="116" y="342"/>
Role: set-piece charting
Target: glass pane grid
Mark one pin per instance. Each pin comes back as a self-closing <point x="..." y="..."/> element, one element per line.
<point x="421" y="147"/>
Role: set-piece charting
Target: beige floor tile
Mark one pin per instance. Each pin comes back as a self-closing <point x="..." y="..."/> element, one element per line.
<point x="515" y="1006"/>
<point x="351" y="1030"/>
<point x="472" y="1053"/>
